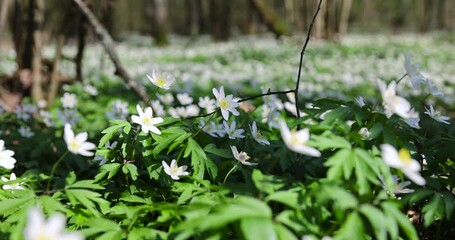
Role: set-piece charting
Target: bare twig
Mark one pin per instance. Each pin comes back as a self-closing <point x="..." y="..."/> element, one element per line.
<point x="302" y="53"/>
<point x="264" y="94"/>
<point x="108" y="44"/>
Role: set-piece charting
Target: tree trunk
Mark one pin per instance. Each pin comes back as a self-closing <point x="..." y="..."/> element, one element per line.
<point x="220" y="19"/>
<point x="344" y="18"/>
<point x="108" y="44"/>
<point x="81" y="41"/>
<point x="54" y="79"/>
<point x="270" y="18"/>
<point x="37" y="8"/>
<point x="331" y="18"/>
<point x="160" y="31"/>
<point x="192" y="17"/>
<point x="3" y="16"/>
<point x="320" y="24"/>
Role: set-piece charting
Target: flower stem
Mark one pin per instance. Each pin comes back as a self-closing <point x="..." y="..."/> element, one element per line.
<point x="53" y="170"/>
<point x="151" y="96"/>
<point x="399" y="80"/>
<point x="229" y="173"/>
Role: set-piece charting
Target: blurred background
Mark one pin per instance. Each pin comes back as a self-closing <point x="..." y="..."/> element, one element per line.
<point x="42" y="42"/>
<point x="223" y="19"/>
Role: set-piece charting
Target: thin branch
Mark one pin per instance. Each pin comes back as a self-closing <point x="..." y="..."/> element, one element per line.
<point x="264" y="94"/>
<point x="108" y="44"/>
<point x="296" y="90"/>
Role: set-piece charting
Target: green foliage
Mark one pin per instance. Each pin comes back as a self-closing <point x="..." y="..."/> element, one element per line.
<point x="349" y="192"/>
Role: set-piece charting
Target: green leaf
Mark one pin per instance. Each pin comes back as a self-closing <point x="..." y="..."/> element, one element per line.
<point x="110" y="131"/>
<point x="89" y="184"/>
<point x="99" y="225"/>
<point x="376" y="219"/>
<point x="109" y="169"/>
<point x="131" y="169"/>
<point x="257" y="228"/>
<point x="146" y="233"/>
<point x="198" y="158"/>
<point x="337" y="114"/>
<point x="404" y="223"/>
<point x="433" y="210"/>
<point x="224" y="153"/>
<point x="342" y="198"/>
<point x="223" y="214"/>
<point x="166" y="137"/>
<point x="328" y="140"/>
<point x="10" y="206"/>
<point x="340" y="165"/>
<point x="284" y="233"/>
<point x="288" y="198"/>
<point x="87" y="198"/>
<point x="352" y="228"/>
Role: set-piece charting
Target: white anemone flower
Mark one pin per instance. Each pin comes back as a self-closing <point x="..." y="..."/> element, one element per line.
<point x="161" y="80"/>
<point x="38" y="228"/>
<point x="78" y="144"/>
<point x="436" y="115"/>
<point x="242" y="157"/>
<point x="184" y="98"/>
<point x="393" y="103"/>
<point x="13" y="186"/>
<point x="297" y="141"/>
<point x="226" y="103"/>
<point x="412" y="70"/>
<point x="402" y="160"/>
<point x="146" y="120"/>
<point x="257" y="135"/>
<point x="166" y="99"/>
<point x="207" y="103"/>
<point x="68" y="100"/>
<point x="174" y="170"/>
<point x="6" y="157"/>
<point x="231" y="130"/>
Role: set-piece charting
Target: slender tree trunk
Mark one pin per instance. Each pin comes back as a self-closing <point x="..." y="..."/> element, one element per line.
<point x="81" y="41"/>
<point x="192" y="17"/>
<point x="270" y="18"/>
<point x="320" y="24"/>
<point x="331" y="18"/>
<point x="54" y="79"/>
<point x="290" y="6"/>
<point x="220" y="19"/>
<point x="344" y="18"/>
<point x="37" y="7"/>
<point x="3" y="16"/>
<point x="108" y="44"/>
<point x="160" y="22"/>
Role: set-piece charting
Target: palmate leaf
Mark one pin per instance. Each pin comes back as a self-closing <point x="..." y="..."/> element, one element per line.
<point x="328" y="140"/>
<point x="102" y="225"/>
<point x="395" y="217"/>
<point x="146" y="233"/>
<point x="222" y="214"/>
<point x="376" y="219"/>
<point x="351" y="228"/>
<point x="365" y="166"/>
<point x="198" y="158"/>
<point x="257" y="228"/>
<point x="110" y="131"/>
<point x="433" y="209"/>
<point x="109" y="169"/>
<point x="77" y="193"/>
<point x="172" y="135"/>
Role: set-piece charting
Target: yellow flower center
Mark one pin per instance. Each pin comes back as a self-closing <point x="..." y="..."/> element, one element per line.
<point x="160" y="81"/>
<point x="224" y="103"/>
<point x="74" y="145"/>
<point x="404" y="156"/>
